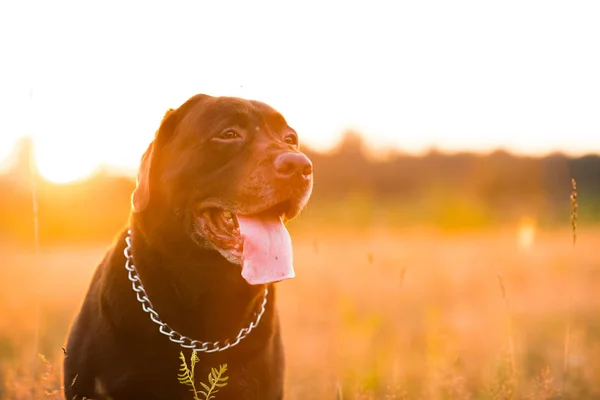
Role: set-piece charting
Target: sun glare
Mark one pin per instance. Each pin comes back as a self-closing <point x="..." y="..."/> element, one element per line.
<point x="526" y="233"/>
<point x="64" y="167"/>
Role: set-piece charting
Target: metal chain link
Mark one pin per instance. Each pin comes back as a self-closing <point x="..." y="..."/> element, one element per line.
<point x="165" y="329"/>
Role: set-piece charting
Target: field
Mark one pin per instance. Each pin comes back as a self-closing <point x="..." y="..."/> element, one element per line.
<point x="374" y="314"/>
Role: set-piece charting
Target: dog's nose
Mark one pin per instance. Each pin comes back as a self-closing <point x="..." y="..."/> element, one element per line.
<point x="288" y="164"/>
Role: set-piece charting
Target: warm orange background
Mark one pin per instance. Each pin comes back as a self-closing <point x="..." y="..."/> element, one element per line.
<point x="398" y="263"/>
<point x="436" y="258"/>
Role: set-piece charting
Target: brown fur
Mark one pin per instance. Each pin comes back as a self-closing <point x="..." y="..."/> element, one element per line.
<point x="113" y="344"/>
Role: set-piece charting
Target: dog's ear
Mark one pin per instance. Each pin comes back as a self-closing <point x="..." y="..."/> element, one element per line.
<point x="141" y="194"/>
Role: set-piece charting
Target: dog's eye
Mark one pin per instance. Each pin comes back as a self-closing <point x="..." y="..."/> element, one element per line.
<point x="229" y="134"/>
<point x="291" y="139"/>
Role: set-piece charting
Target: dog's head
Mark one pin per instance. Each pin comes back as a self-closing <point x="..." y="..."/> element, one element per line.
<point x="227" y="173"/>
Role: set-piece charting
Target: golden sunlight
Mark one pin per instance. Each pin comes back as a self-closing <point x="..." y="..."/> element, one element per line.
<point x="64" y="166"/>
<point x="526" y="233"/>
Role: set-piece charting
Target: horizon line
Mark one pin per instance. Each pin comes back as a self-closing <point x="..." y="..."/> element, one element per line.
<point x="385" y="153"/>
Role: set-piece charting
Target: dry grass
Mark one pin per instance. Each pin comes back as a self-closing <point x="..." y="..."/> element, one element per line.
<point x="574" y="214"/>
<point x="376" y="315"/>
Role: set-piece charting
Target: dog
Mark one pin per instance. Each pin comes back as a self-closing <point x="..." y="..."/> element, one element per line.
<point x="196" y="266"/>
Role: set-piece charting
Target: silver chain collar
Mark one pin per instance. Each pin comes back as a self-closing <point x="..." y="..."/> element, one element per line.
<point x="165" y="329"/>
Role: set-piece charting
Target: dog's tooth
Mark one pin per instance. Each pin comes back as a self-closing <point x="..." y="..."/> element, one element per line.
<point x="227" y="214"/>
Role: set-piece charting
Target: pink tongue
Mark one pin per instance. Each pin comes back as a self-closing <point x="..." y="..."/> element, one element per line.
<point x="267" y="255"/>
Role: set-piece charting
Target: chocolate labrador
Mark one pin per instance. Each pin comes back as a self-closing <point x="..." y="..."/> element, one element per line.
<point x="196" y="268"/>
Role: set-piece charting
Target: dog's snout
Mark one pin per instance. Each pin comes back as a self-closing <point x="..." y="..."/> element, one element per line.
<point x="289" y="164"/>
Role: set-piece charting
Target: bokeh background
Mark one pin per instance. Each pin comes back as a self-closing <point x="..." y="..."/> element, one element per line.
<point x="438" y="257"/>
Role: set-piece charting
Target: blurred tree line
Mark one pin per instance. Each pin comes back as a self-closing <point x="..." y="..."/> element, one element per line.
<point x="353" y="187"/>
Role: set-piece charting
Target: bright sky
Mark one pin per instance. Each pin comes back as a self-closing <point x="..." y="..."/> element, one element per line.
<point x="468" y="75"/>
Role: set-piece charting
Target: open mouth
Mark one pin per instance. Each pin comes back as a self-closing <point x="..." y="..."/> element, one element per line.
<point x="259" y="241"/>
